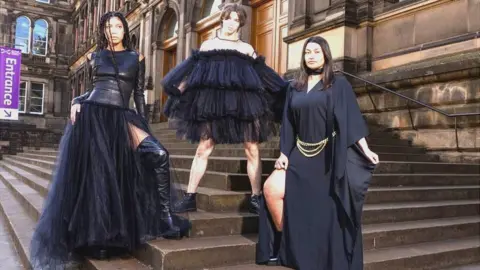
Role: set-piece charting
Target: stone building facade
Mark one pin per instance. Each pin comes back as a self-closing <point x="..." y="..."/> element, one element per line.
<point x="370" y="38"/>
<point x="40" y="29"/>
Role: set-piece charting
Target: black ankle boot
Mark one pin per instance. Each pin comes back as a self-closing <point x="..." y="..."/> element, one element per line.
<point x="187" y="204"/>
<point x="155" y="157"/>
<point x="254" y="204"/>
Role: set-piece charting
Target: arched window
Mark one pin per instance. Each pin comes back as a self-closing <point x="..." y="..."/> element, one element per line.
<point x="210" y="7"/>
<point x="206" y="8"/>
<point x="40" y="36"/>
<point x="22" y="34"/>
<point x="172" y="26"/>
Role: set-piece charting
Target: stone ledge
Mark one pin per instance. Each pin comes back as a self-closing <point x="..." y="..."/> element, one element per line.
<point x="443" y="96"/>
<point x="19" y="135"/>
<point x="443" y="139"/>
<point x="425" y="118"/>
<point x="440" y="69"/>
<point x="458" y="157"/>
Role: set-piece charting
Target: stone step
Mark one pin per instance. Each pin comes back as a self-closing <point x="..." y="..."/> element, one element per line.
<point x="250" y="266"/>
<point x="269" y="145"/>
<point x="411" y="211"/>
<point x="398" y="180"/>
<point x="238" y="165"/>
<point x="34" y="169"/>
<point x="203" y="223"/>
<point x="21" y="224"/>
<point x="208" y="198"/>
<point x="384" y="235"/>
<point x="223" y="201"/>
<point x="172" y="138"/>
<point x="264" y="153"/>
<point x="9" y="257"/>
<point x="431" y="255"/>
<point x="207" y="253"/>
<point x="374" y="132"/>
<point x="473" y="266"/>
<point x="201" y="251"/>
<point x="375" y="147"/>
<point x="217" y="200"/>
<point x="241" y="182"/>
<point x="419" y="194"/>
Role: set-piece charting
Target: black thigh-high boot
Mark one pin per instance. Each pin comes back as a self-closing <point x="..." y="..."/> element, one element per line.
<point x="155" y="159"/>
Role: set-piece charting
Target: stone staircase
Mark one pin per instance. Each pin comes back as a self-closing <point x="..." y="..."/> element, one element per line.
<point x="420" y="213"/>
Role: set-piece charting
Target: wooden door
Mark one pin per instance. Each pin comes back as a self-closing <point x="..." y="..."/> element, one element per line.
<point x="169" y="63"/>
<point x="270" y="20"/>
<point x="207" y="34"/>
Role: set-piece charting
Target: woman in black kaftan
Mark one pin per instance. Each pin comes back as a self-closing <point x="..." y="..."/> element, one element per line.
<point x="327" y="169"/>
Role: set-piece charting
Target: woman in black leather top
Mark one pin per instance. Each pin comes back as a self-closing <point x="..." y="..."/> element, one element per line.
<point x="111" y="185"/>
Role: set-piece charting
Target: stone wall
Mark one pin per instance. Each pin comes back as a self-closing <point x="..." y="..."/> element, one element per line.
<point x="449" y="83"/>
<point x="19" y="135"/>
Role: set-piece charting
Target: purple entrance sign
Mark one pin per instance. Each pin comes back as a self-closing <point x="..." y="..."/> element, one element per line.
<point x="10" y="62"/>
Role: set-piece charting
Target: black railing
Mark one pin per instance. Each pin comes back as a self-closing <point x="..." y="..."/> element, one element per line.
<point x="409" y="99"/>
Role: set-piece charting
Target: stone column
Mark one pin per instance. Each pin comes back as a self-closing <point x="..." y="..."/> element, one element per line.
<point x="181" y="32"/>
<point x="50" y="97"/>
<point x="11" y="36"/>
<point x="100" y="10"/>
<point x="157" y="75"/>
<point x="146" y="41"/>
<point x="191" y="40"/>
<point x="298" y="15"/>
<point x="157" y="67"/>
<point x="30" y="44"/>
<point x="4" y="26"/>
<point x="89" y="18"/>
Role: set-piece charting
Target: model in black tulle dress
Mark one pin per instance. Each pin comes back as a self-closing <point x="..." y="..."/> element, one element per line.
<point x="223" y="94"/>
<point x="111" y="186"/>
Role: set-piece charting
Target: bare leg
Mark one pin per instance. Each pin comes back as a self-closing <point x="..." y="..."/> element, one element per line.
<point x="274" y="192"/>
<point x="137" y="135"/>
<point x="254" y="168"/>
<point x="199" y="164"/>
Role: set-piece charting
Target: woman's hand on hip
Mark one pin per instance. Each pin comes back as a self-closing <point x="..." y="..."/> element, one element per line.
<point x="73" y="112"/>
<point x="282" y="162"/>
<point x="371" y="156"/>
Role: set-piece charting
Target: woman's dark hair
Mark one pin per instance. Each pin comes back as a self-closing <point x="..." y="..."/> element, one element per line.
<point x="229" y="8"/>
<point x="301" y="79"/>
<point x="102" y="42"/>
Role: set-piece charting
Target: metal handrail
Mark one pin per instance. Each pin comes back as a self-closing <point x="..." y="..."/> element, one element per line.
<point x="442" y="112"/>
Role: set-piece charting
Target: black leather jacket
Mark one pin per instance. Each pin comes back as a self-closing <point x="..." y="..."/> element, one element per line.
<point x="104" y="86"/>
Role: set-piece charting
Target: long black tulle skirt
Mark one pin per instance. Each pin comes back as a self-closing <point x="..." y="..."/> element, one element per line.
<point x="101" y="195"/>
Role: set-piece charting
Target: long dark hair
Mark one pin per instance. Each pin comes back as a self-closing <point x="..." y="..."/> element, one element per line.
<point x="102" y="42"/>
<point x="301" y="79"/>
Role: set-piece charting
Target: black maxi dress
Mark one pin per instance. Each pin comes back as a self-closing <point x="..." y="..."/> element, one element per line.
<point x="324" y="194"/>
<point x="101" y="194"/>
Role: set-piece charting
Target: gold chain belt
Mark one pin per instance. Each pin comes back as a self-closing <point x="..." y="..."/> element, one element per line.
<point x="317" y="147"/>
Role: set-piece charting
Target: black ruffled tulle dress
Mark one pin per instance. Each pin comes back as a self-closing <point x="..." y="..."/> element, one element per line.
<point x="101" y="194"/>
<point x="227" y="96"/>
